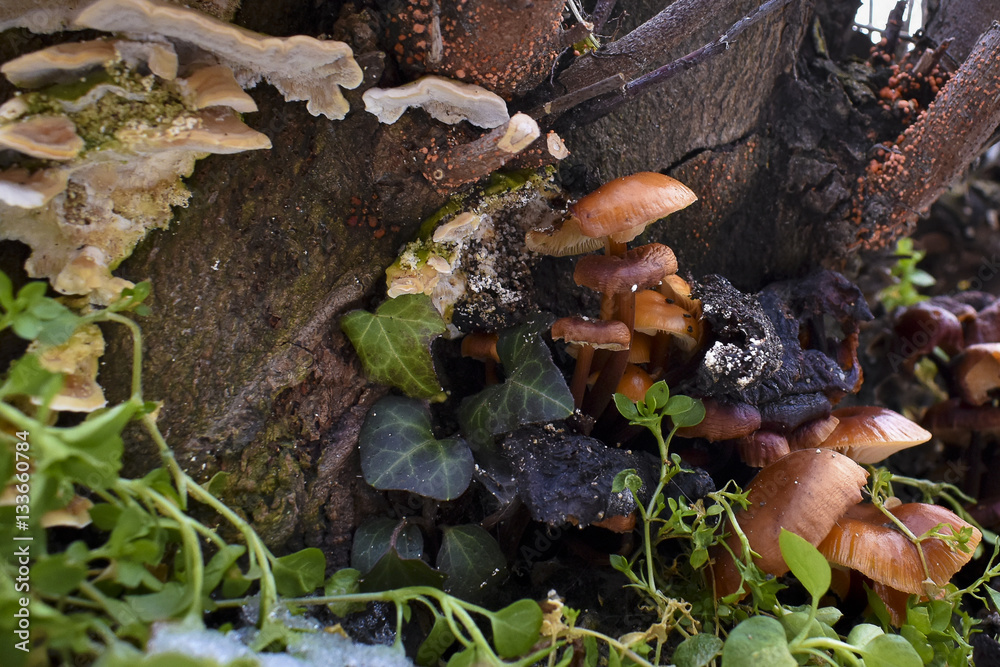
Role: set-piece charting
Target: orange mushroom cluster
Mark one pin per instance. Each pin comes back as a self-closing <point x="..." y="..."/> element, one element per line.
<point x="816" y="494"/>
<point x="646" y="308"/>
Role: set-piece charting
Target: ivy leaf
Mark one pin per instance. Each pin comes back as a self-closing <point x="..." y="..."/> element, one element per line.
<point x="472" y="560"/>
<point x="399" y="451"/>
<point x="299" y="573"/>
<point x="806" y="563"/>
<point x="516" y="628"/>
<point x="394" y="343"/>
<point x="698" y="650"/>
<point x="758" y="642"/>
<point x="373" y="538"/>
<point x="534" y="391"/>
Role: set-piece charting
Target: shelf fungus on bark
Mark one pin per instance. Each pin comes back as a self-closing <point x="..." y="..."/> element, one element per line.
<point x="300" y="67"/>
<point x="446" y="100"/>
<point x="115" y="129"/>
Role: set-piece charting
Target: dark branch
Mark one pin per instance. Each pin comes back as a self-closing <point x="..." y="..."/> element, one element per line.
<point x="589" y="113"/>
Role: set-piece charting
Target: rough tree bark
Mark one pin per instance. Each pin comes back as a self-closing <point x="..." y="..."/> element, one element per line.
<point x="243" y="345"/>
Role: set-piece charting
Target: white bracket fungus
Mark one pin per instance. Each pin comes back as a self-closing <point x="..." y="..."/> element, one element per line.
<point x="446" y="100"/>
<point x="300" y="67"/>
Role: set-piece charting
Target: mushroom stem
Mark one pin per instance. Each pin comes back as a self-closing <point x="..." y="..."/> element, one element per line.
<point x="599" y="397"/>
<point x="584" y="358"/>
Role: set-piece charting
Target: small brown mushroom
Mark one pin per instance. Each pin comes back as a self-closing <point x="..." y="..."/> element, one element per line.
<point x="869" y="434"/>
<point x="812" y="433"/>
<point x="621" y="209"/>
<point x="977" y="372"/>
<point x="805" y="493"/>
<point x="723" y="421"/>
<point x="635" y="383"/>
<point x="561" y="240"/>
<point x="954" y="422"/>
<point x="865" y="539"/>
<point x="640" y="268"/>
<point x="762" y="448"/>
<point x="483" y="347"/>
<point x="653" y="314"/>
<point x="591" y="334"/>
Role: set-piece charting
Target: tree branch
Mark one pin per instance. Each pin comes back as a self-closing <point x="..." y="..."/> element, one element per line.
<point x="602" y="106"/>
<point x="936" y="149"/>
<point x="649" y="43"/>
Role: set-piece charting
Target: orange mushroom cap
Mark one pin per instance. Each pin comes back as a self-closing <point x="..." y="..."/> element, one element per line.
<point x="624" y="206"/>
<point x="653" y="313"/>
<point x="866" y="540"/>
<point x="869" y="434"/>
<point x="804" y="492"/>
<point x="635" y="383"/>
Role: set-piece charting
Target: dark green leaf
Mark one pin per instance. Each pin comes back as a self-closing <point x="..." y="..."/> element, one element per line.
<point x="391" y="571"/>
<point x="806" y="563"/>
<point x="439" y="640"/>
<point x="299" y="573"/>
<point x="473" y="562"/>
<point x="394" y="343"/>
<point x="757" y="642"/>
<point x="399" y="451"/>
<point x="235" y="583"/>
<point x="890" y="651"/>
<point x="618" y="483"/>
<point x="89" y="453"/>
<point x="697" y="651"/>
<point x="343" y="582"/>
<point x="373" y="538"/>
<point x="516" y="628"/>
<point x="217" y="485"/>
<point x="534" y="391"/>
